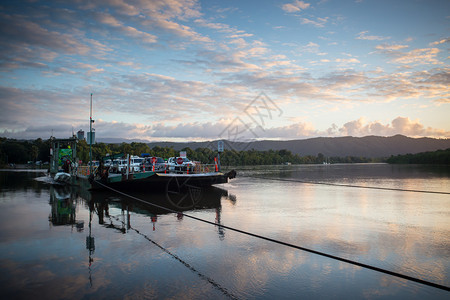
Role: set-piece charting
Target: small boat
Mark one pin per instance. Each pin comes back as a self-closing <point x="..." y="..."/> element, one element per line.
<point x="62" y="177"/>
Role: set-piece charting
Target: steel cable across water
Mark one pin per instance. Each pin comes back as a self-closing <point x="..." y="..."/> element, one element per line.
<point x="349" y="261"/>
<point x="187" y="265"/>
<point x="347" y="185"/>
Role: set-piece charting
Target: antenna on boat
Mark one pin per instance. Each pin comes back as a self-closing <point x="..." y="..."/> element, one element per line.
<point x="90" y="138"/>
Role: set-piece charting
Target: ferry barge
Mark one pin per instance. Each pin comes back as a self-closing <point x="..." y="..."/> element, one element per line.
<point x="65" y="169"/>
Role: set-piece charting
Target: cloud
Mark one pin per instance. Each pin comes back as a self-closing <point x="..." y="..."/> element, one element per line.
<point x="295" y="6"/>
<point x="319" y="22"/>
<point x="298" y="130"/>
<point x="347" y="60"/>
<point x="154" y="15"/>
<point x="167" y="16"/>
<point x="108" y="19"/>
<point x="42" y="33"/>
<point x="201" y="131"/>
<point x="388" y="48"/>
<point x="55" y="107"/>
<point x="342" y="79"/>
<point x="230" y="61"/>
<point x="25" y="42"/>
<point x="217" y="26"/>
<point x="418" y="56"/>
<point x="173" y="62"/>
<point x="311" y="47"/>
<point x="179" y="30"/>
<point x="128" y="31"/>
<point x="137" y="34"/>
<point x="20" y="32"/>
<point x="400" y="125"/>
<point x="415" y="56"/>
<point x="443" y="41"/>
<point x="241" y="35"/>
<point x="362" y="36"/>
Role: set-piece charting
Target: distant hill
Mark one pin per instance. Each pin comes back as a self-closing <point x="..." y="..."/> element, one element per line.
<point x="120" y="140"/>
<point x="369" y="146"/>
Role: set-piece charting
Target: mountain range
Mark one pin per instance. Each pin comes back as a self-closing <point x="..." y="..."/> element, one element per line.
<point x="369" y="146"/>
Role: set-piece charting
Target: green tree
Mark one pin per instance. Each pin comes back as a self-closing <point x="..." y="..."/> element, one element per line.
<point x="100" y="150"/>
<point x="34" y="152"/>
<point x="15" y="152"/>
<point x="125" y="148"/>
<point x="139" y="148"/>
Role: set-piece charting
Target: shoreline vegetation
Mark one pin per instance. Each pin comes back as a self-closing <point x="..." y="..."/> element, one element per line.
<point x="439" y="157"/>
<point x="36" y="153"/>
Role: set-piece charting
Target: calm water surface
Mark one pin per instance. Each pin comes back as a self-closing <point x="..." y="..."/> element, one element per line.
<point x="66" y="243"/>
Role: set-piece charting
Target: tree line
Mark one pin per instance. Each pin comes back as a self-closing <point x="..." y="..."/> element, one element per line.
<point x="21" y="152"/>
<point x="441" y="157"/>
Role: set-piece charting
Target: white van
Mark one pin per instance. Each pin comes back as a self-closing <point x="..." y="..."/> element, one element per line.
<point x="136" y="163"/>
<point x="121" y="164"/>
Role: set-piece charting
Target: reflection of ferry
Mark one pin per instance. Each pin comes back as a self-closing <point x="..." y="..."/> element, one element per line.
<point x="152" y="206"/>
<point x="154" y="203"/>
<point x="64" y="199"/>
<point x="63" y="206"/>
<point x="63" y="203"/>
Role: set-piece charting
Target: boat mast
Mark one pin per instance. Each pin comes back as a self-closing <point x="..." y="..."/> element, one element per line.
<point x="90" y="138"/>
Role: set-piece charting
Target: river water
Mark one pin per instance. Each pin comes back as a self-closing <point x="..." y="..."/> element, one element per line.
<point x="67" y="243"/>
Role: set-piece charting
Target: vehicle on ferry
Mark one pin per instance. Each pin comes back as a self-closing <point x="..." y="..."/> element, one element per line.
<point x="180" y="164"/>
<point x="136" y="163"/>
<point x="95" y="163"/>
<point x="159" y="162"/>
<point x="120" y="165"/>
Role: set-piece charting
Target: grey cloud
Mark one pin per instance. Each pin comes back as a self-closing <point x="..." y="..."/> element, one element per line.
<point x="214" y="130"/>
<point x="400" y="125"/>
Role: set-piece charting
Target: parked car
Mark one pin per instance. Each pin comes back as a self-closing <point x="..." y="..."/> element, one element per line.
<point x="95" y="163"/>
<point x="107" y="163"/>
<point x="180" y="164"/>
<point x="120" y="165"/>
<point x="160" y="164"/>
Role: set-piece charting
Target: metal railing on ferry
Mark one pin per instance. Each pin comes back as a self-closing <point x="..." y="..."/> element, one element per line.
<point x="205" y="168"/>
<point x="84" y="170"/>
<point x="197" y="169"/>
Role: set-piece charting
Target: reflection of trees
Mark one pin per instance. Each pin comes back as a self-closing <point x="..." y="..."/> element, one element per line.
<point x="22" y="180"/>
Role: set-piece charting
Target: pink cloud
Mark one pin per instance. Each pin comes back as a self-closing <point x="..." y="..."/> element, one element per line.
<point x="400" y="125"/>
<point x="295" y="6"/>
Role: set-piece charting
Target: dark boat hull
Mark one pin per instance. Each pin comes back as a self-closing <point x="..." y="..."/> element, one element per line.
<point x="149" y="181"/>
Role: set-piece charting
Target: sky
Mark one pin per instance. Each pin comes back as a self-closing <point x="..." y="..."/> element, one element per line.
<point x="188" y="70"/>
